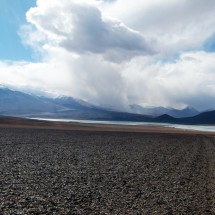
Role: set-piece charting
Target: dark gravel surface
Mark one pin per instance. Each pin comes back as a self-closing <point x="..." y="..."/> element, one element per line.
<point x="71" y="172"/>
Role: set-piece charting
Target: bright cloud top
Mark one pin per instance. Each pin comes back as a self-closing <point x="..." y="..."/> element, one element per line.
<point x="116" y="53"/>
<point x="82" y="28"/>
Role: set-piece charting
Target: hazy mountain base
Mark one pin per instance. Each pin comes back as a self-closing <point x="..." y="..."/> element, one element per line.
<point x="158" y="111"/>
<point x="14" y="103"/>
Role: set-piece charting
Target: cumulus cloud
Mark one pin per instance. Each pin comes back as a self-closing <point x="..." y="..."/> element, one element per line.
<point x="176" y="25"/>
<point x="82" y="28"/>
<point x="115" y="53"/>
<point x="188" y="81"/>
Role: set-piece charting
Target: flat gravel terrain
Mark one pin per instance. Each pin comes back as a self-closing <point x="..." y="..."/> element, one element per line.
<point x="74" y="172"/>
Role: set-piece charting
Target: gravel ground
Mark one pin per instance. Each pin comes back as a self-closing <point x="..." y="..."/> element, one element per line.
<point x="71" y="172"/>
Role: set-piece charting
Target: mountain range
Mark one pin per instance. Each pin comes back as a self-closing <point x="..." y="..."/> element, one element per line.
<point x="158" y="111"/>
<point x="16" y="103"/>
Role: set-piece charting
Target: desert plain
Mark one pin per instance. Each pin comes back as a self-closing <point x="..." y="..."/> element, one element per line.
<point x="71" y="168"/>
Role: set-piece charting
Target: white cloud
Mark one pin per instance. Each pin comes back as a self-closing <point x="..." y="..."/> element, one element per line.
<point x="188" y="81"/>
<point x="82" y="28"/>
<point x="176" y="25"/>
<point x="103" y="52"/>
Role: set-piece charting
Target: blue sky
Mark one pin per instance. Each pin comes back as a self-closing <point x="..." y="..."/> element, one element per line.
<point x="12" y="16"/>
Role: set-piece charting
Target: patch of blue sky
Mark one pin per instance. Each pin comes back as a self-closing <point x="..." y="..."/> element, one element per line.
<point x="170" y="59"/>
<point x="12" y="16"/>
<point x="209" y="45"/>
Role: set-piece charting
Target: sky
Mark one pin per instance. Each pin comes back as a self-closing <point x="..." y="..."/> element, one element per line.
<point x="111" y="52"/>
<point x="12" y="16"/>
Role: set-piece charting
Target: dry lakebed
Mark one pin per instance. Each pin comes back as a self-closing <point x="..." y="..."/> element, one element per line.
<point x="57" y="171"/>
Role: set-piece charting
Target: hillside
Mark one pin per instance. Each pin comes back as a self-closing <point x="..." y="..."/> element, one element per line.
<point x="206" y="118"/>
<point x="15" y="103"/>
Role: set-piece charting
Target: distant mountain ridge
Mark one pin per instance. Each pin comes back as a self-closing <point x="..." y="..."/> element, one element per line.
<point x="16" y="103"/>
<point x="158" y="111"/>
<point x="205" y="118"/>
